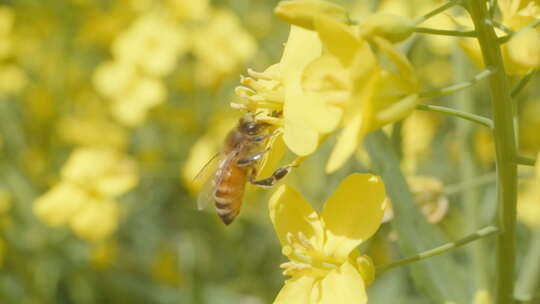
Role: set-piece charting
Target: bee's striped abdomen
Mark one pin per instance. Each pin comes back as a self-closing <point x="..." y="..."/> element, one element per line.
<point x="229" y="193"/>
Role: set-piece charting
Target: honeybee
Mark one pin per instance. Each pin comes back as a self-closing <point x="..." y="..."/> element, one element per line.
<point x="243" y="149"/>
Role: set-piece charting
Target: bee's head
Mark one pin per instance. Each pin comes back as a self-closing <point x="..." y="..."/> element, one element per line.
<point x="249" y="126"/>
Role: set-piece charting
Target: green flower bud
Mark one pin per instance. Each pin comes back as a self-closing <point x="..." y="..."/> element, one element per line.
<point x="393" y="28"/>
<point x="301" y="12"/>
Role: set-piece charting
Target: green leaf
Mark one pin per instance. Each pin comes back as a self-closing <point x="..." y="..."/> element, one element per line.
<point x="441" y="277"/>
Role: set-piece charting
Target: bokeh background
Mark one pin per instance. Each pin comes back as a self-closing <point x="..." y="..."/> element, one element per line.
<point x="108" y="108"/>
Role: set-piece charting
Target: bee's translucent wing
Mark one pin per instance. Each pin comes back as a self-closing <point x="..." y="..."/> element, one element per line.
<point x="206" y="177"/>
<point x="206" y="194"/>
<point x="208" y="169"/>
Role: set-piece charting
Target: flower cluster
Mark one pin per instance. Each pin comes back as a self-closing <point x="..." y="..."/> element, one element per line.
<point x="85" y="197"/>
<point x="150" y="49"/>
<point x="332" y="76"/>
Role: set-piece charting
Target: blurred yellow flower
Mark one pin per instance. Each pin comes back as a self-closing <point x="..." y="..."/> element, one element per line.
<point x="417" y="134"/>
<point x="221" y="47"/>
<point x="132" y="93"/>
<point x="529" y="124"/>
<point x="85" y="198"/>
<point x="7" y="20"/>
<point x="520" y="54"/>
<point x="85" y="131"/>
<point x="12" y="79"/>
<point x="528" y="211"/>
<point x="189" y="10"/>
<point x="153" y="43"/>
<point x="323" y="264"/>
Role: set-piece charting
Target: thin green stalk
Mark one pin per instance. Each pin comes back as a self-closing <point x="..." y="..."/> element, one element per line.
<point x="456" y="87"/>
<point x="437" y="11"/>
<point x="455" y="33"/>
<point x="479" y="181"/>
<point x="505" y="147"/>
<point x="482" y="233"/>
<point x="524" y="160"/>
<point x="522" y="83"/>
<point x="459" y="114"/>
<point x="468" y="169"/>
<point x="475" y="182"/>
<point x="529" y="277"/>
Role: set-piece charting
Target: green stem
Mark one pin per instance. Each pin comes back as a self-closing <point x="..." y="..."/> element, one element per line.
<point x="456" y="87"/>
<point x="476" y="182"/>
<point x="468" y="169"/>
<point x="482" y="233"/>
<point x="522" y="83"/>
<point x="456" y="113"/>
<point x="524" y="160"/>
<point x="529" y="276"/>
<point x="437" y="11"/>
<point x="455" y="33"/>
<point x="505" y="147"/>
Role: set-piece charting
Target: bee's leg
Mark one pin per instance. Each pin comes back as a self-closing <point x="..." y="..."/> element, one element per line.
<point x="268" y="182"/>
<point x="246" y="161"/>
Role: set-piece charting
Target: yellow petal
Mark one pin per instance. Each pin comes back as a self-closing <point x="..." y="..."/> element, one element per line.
<point x="353" y="213"/>
<point x="524" y="49"/>
<point x="88" y="164"/>
<point x="311" y="109"/>
<point x="299" y="137"/>
<point x="301" y="12"/>
<point x="395" y="28"/>
<point x="58" y="205"/>
<point x="292" y="214"/>
<point x="96" y="220"/>
<point x="342" y="286"/>
<point x="302" y="47"/>
<point x="346" y="144"/>
<point x="337" y="38"/>
<point x="296" y="291"/>
<point x="401" y="62"/>
<point x="471" y="47"/>
<point x="119" y="179"/>
<point x="271" y="161"/>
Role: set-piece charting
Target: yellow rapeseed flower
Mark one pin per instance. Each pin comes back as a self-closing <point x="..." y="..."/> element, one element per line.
<point x="302" y="12"/>
<point x="221" y="47"/>
<point x="307" y="115"/>
<point x="152" y="43"/>
<point x="85" y="198"/>
<point x="323" y="264"/>
<point x="372" y="93"/>
<point x="521" y="53"/>
<point x="528" y="209"/>
<point x="132" y="93"/>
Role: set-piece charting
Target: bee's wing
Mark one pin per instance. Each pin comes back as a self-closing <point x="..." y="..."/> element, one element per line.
<point x="208" y="172"/>
<point x="206" y="194"/>
<point x="206" y="176"/>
